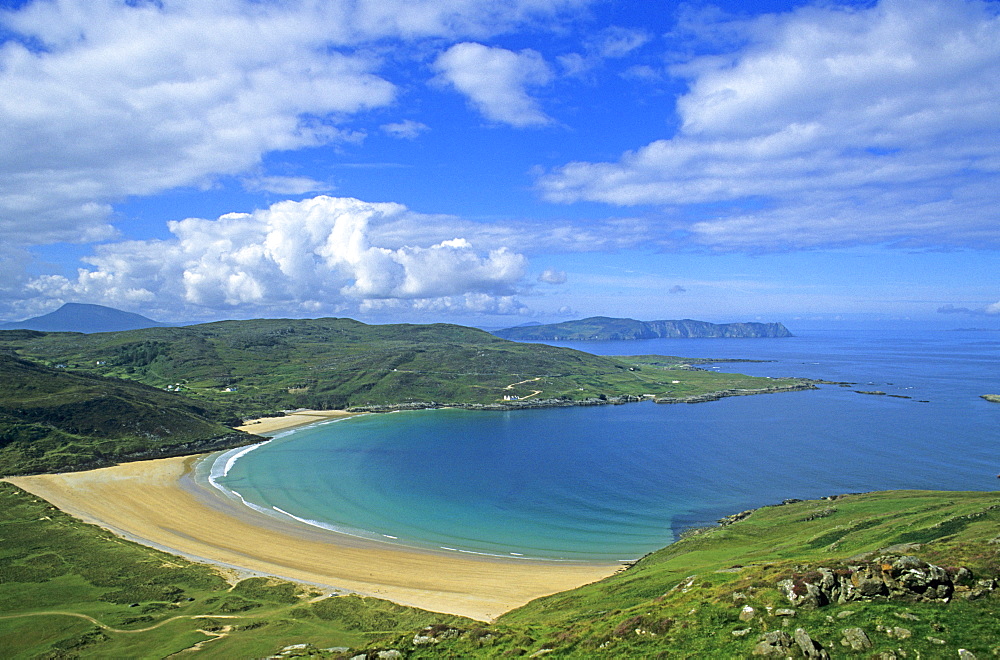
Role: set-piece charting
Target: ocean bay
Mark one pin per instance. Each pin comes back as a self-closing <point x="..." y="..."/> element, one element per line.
<point x="615" y="482"/>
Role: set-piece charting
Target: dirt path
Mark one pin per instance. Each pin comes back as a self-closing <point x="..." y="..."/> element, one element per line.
<point x="522" y="382"/>
<point x="104" y="626"/>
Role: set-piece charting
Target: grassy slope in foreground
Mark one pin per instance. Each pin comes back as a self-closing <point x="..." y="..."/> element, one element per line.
<point x="686" y="599"/>
<point x="52" y="420"/>
<point x="56" y="570"/>
<point x="270" y="365"/>
<point x="682" y="601"/>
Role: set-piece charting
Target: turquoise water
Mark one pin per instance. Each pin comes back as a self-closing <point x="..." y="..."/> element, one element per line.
<point x="616" y="482"/>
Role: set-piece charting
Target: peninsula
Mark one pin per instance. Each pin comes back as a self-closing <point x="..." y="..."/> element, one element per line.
<point x="76" y="401"/>
<point x="603" y="328"/>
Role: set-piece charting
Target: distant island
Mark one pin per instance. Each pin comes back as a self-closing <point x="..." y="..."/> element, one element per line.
<point x="603" y="328"/>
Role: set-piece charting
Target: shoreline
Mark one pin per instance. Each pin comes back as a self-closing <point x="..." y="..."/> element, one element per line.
<point x="291" y="420"/>
<point x="158" y="503"/>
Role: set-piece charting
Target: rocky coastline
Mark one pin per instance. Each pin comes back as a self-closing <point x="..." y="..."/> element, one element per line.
<point x="590" y="401"/>
<point x="715" y="396"/>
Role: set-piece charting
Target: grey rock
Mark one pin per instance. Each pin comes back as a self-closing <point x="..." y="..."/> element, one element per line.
<point x="775" y="644"/>
<point x="964" y="654"/>
<point x="810" y="647"/>
<point x="856" y="638"/>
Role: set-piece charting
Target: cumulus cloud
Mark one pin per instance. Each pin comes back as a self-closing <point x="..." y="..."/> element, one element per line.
<point x="496" y="80"/>
<point x="313" y="256"/>
<point x="104" y="99"/>
<point x="552" y="276"/>
<point x="829" y="125"/>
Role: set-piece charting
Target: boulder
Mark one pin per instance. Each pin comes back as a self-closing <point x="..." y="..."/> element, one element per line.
<point x="810" y="648"/>
<point x="856" y="639"/>
<point x="775" y="644"/>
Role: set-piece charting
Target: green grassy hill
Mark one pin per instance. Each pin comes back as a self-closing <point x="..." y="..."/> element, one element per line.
<point x="249" y="368"/>
<point x="53" y="420"/>
<point x="68" y="590"/>
<point x="719" y="593"/>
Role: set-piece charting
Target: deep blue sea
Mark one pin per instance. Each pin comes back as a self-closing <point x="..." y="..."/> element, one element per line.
<point x="616" y="482"/>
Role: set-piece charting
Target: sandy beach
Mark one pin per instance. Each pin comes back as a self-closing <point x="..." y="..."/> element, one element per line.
<point x="158" y="503"/>
<point x="266" y="425"/>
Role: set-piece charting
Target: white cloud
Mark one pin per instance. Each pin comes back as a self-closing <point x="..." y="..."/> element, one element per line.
<point x="312" y="256"/>
<point x="496" y="80"/>
<point x="104" y="99"/>
<point x="610" y="43"/>
<point x="618" y="41"/>
<point x="406" y="129"/>
<point x="839" y="125"/>
<point x="285" y="185"/>
<point x="552" y="276"/>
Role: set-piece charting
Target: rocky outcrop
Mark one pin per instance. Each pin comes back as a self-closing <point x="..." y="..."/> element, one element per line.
<point x="779" y="644"/>
<point x="889" y="578"/>
<point x="715" y="396"/>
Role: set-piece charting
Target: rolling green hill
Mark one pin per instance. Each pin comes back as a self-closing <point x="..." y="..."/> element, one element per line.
<point x="53" y="420"/>
<point x="923" y="569"/>
<point x="250" y="368"/>
<point x="604" y="328"/>
<point x="915" y="571"/>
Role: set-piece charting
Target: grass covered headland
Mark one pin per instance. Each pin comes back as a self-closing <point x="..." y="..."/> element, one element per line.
<point x="250" y="368"/>
<point x="897" y="574"/>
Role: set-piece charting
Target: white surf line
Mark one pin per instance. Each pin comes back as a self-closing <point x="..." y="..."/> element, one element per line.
<point x="325" y="526"/>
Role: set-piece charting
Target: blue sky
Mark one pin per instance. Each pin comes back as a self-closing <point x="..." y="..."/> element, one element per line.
<point x="494" y="163"/>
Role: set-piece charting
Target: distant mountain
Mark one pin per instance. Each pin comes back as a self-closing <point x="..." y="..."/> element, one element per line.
<point x="79" y="317"/>
<point x="604" y="328"/>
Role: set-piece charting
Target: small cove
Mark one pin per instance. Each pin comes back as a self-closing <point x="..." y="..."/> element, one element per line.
<point x="615" y="482"/>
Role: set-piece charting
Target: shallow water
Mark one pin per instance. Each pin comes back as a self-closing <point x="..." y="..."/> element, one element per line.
<point x="616" y="482"/>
